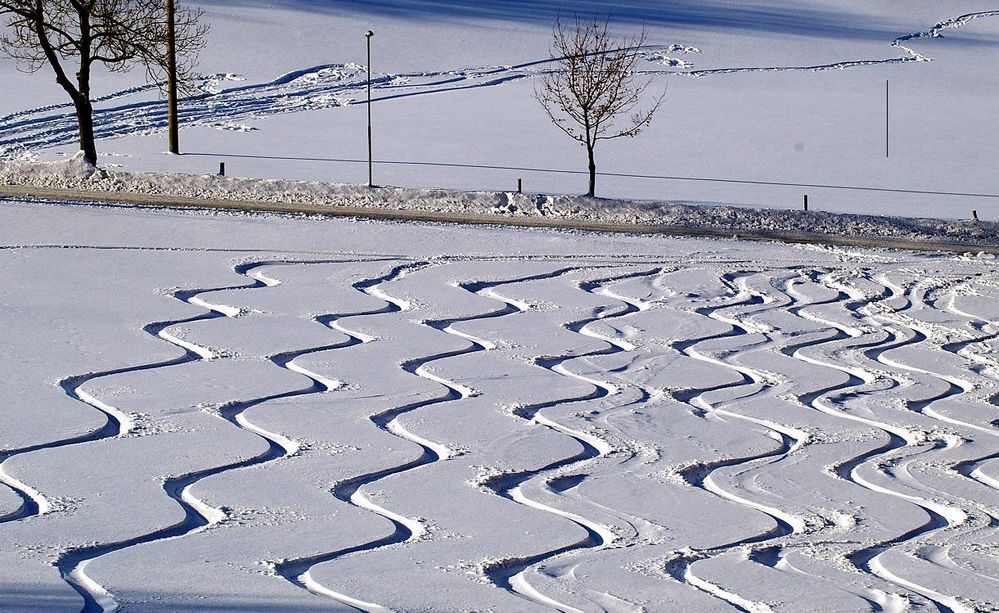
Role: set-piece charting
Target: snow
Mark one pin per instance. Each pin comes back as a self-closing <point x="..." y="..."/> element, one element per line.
<point x="780" y="100"/>
<point x="235" y="411"/>
<point x="77" y="174"/>
<point x="320" y="413"/>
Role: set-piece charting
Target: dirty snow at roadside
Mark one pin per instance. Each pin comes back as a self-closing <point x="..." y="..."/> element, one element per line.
<point x="78" y="174"/>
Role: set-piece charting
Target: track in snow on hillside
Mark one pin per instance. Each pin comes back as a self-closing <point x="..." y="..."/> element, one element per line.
<point x="846" y="416"/>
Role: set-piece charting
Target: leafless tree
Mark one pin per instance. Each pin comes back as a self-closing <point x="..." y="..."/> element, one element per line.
<point x="77" y="34"/>
<point x="593" y="84"/>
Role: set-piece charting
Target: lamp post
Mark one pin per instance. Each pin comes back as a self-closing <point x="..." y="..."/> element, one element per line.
<point x="368" y="36"/>
<point x="172" y="130"/>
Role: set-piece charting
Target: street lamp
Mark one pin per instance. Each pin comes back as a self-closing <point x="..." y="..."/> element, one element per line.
<point x="368" y="36"/>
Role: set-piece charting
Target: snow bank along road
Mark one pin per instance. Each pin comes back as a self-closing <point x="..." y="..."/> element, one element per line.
<point x="259" y="413"/>
<point x="76" y="180"/>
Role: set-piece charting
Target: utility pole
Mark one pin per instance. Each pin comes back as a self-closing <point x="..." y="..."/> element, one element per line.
<point x="172" y="130"/>
<point x="368" y="36"/>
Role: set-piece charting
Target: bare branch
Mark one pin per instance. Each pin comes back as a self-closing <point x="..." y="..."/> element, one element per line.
<point x="120" y="34"/>
<point x="593" y="85"/>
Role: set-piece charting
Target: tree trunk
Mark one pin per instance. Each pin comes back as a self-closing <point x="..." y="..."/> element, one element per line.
<point x="173" y="131"/>
<point x="85" y="118"/>
<point x="593" y="171"/>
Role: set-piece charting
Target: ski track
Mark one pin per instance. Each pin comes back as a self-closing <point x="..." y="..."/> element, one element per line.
<point x="972" y="468"/>
<point x="916" y="299"/>
<point x="941" y="516"/>
<point x="858" y="344"/>
<point x="333" y="85"/>
<point x="898" y="438"/>
<point x="406" y="529"/>
<point x="199" y="516"/>
<point x="510" y="574"/>
<point x="700" y="475"/>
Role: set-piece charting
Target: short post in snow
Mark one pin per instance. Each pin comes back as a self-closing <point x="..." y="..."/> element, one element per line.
<point x="221" y="169"/>
<point x="520" y="186"/>
<point x="368" y="36"/>
<point x="806" y="202"/>
<point x="974" y="214"/>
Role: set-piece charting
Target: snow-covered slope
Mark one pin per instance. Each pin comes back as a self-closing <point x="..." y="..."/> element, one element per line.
<point x="767" y="101"/>
<point x="256" y="412"/>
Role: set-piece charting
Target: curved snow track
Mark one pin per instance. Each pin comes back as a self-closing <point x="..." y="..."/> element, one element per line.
<point x="509" y="574"/>
<point x="199" y="516"/>
<point x="817" y="400"/>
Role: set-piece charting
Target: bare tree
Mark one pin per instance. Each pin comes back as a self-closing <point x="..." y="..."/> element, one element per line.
<point x="593" y="84"/>
<point x="120" y="34"/>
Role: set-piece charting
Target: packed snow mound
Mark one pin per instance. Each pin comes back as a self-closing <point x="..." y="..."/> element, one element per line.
<point x="77" y="174"/>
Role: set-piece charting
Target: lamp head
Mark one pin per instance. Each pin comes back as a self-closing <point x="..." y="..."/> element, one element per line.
<point x="369" y="33"/>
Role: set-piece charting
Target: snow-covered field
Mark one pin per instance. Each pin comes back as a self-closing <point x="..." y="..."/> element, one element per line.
<point x="257" y="412"/>
<point x="766" y="101"/>
<point x="262" y="412"/>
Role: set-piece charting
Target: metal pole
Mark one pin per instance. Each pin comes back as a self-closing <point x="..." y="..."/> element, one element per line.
<point x="887" y="119"/>
<point x="172" y="130"/>
<point x="368" y="36"/>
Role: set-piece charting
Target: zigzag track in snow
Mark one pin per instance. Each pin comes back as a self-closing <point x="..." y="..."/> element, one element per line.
<point x="199" y="516"/>
<point x="915" y="299"/>
<point x="898" y="438"/>
<point x="117" y="423"/>
<point x="914" y="334"/>
<point x="509" y="574"/>
<point x="871" y="342"/>
<point x="921" y="334"/>
<point x="566" y="567"/>
<point x="700" y="475"/>
<point x="940" y="516"/>
<point x="298" y="570"/>
<point x="406" y="529"/>
<point x="972" y="468"/>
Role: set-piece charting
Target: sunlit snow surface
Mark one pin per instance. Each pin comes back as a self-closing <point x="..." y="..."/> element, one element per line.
<point x="248" y="413"/>
<point x="765" y="101"/>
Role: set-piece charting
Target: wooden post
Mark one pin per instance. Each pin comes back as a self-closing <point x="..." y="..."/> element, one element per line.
<point x="806" y="202"/>
<point x="975" y="215"/>
<point x="221" y="169"/>
<point x="173" y="136"/>
<point x="520" y="186"/>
